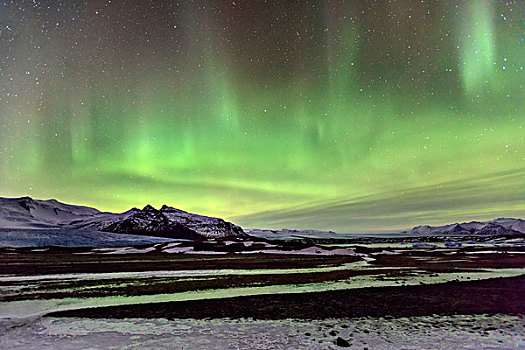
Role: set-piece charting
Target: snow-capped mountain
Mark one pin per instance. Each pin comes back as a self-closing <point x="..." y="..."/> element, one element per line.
<point x="164" y="222"/>
<point x="497" y="227"/>
<point x="26" y="212"/>
<point x="169" y="222"/>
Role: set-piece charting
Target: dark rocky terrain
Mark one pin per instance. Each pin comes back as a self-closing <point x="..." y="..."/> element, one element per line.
<point x="499" y="295"/>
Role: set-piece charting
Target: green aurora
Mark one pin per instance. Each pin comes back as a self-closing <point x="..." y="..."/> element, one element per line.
<point x="348" y="116"/>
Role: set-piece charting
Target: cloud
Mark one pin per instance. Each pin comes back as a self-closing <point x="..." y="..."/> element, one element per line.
<point x="478" y="197"/>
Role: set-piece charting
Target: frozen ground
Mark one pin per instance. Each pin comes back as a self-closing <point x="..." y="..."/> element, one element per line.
<point x="40" y="289"/>
<point x="72" y="238"/>
<point x="18" y="312"/>
<point x="430" y="332"/>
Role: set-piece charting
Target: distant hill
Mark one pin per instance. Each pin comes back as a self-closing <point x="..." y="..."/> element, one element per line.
<point x="497" y="227"/>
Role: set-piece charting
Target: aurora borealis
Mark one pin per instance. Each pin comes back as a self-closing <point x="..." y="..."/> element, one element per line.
<point x="350" y="116"/>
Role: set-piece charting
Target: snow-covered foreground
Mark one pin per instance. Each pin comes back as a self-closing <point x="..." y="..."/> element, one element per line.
<point x="429" y="332"/>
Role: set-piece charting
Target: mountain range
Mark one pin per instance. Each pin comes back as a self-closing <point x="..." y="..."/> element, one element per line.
<point x="28" y="213"/>
<point x="497" y="227"/>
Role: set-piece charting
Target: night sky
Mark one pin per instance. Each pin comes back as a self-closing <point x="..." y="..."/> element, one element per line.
<point x="351" y="116"/>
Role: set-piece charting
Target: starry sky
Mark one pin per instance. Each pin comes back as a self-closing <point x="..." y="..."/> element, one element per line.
<point x="350" y="116"/>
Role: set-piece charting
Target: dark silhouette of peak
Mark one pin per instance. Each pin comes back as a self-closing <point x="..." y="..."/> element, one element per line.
<point x="168" y="209"/>
<point x="27" y="203"/>
<point x="149" y="208"/>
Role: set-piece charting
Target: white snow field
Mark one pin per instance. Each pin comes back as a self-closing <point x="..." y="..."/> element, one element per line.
<point x="428" y="332"/>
